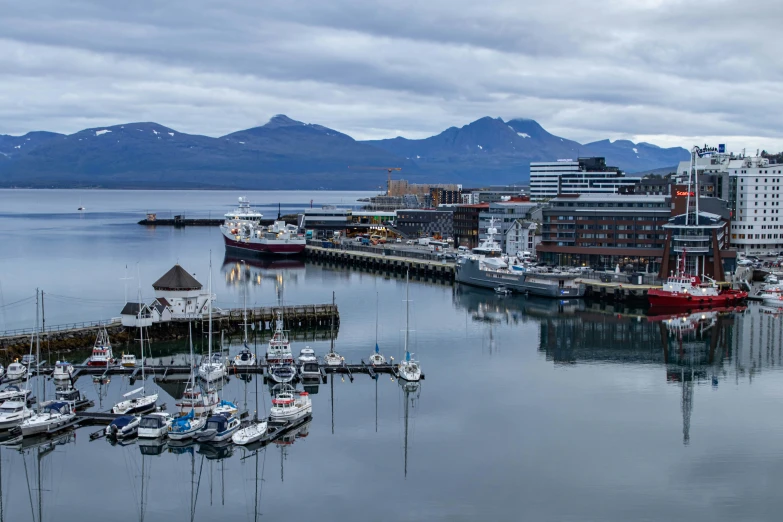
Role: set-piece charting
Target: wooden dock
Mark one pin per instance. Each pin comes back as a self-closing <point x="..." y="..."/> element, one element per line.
<point x="379" y="261"/>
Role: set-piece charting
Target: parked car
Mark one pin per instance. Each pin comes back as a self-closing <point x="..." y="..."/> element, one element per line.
<point x="744" y="262"/>
<point x="410" y="242"/>
<point x="398" y="240"/>
<point x="771" y="253"/>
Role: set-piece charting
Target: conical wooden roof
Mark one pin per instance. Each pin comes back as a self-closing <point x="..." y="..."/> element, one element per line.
<point x="177" y="279"/>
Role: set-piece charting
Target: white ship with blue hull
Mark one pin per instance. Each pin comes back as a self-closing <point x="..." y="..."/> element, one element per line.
<point x="486" y="268"/>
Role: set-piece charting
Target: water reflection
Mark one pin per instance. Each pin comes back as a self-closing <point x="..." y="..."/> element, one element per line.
<point x="255" y="271"/>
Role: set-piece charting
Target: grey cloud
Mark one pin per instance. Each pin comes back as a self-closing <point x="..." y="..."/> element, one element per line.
<point x="583" y="69"/>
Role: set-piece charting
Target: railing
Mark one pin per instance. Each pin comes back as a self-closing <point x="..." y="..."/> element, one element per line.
<point x="380" y="250"/>
<point x="60" y="327"/>
<point x="691" y="238"/>
<point x="691" y="249"/>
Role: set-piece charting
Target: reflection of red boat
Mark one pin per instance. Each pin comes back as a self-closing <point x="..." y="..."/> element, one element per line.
<point x="660" y="313"/>
<point x="685" y="291"/>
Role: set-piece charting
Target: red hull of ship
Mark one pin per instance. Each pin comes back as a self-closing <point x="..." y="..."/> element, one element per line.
<point x="287" y="249"/>
<point x="659" y="298"/>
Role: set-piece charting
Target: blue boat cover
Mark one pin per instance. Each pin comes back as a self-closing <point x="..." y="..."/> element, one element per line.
<point x="123" y="421"/>
<point x="228" y="403"/>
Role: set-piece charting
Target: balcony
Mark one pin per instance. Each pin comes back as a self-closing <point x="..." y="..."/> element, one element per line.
<point x="691" y="238"/>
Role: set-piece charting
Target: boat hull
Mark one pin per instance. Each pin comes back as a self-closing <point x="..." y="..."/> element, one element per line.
<point x="46" y="426"/>
<point x="289" y="248"/>
<point x="291" y="416"/>
<point x="470" y="273"/>
<point x="659" y="298"/>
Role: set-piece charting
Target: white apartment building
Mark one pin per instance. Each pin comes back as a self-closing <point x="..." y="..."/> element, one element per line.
<point x="755" y="188"/>
<point x="521" y="237"/>
<point x="548" y="179"/>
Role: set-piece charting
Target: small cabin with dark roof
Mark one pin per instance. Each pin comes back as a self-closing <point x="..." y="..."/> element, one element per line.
<point x="136" y="314"/>
<point x="178" y="295"/>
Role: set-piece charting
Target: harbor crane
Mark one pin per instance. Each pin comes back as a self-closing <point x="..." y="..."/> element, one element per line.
<point x="388" y="169"/>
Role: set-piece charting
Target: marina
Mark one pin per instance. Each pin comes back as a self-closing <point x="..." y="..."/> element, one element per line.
<point x="688" y="387"/>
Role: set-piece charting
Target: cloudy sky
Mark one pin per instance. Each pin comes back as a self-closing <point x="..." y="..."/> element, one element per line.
<point x="664" y="71"/>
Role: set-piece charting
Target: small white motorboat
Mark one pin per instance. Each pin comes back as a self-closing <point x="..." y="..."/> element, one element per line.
<point x="128" y="360"/>
<point x="123" y="427"/>
<point x="282" y="373"/>
<point x="12" y="413"/>
<point x="14" y="393"/>
<point x="255" y="432"/>
<point x="155" y="425"/>
<point x="15" y="371"/>
<point x="310" y="370"/>
<point x="333" y="359"/>
<point x="212" y="369"/>
<point x="63" y="370"/>
<point x="307" y="354"/>
<point x="288" y="406"/>
<point x="245" y="358"/>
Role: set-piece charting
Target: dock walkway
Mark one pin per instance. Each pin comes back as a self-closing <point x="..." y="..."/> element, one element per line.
<point x="381" y="261"/>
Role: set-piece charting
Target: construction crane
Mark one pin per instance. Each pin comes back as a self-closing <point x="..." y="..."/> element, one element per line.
<point x="388" y="169"/>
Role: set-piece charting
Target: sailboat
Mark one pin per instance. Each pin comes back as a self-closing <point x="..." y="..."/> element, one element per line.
<point x="332" y="358"/>
<point x="146" y="402"/>
<point x="377" y="358"/>
<point x="245" y="358"/>
<point x="193" y="419"/>
<point x="13" y="409"/>
<point x="408" y="369"/>
<point x="213" y="368"/>
<point x="255" y="431"/>
<point x="52" y="416"/>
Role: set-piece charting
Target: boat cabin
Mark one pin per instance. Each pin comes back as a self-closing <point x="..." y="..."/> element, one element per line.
<point x="219" y="423"/>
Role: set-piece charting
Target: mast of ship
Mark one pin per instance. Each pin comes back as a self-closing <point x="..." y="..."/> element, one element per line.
<point x="37" y="350"/>
<point x="141" y="333"/>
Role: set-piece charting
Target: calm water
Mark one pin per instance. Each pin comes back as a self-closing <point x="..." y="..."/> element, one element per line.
<point x="531" y="409"/>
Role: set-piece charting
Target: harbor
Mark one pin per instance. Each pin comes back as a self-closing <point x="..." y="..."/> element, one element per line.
<point x="561" y="365"/>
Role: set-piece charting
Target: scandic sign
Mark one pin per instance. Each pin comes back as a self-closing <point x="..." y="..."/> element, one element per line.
<point x="684" y="193"/>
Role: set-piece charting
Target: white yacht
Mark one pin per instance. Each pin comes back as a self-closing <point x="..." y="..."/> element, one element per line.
<point x="282" y="373"/>
<point x="256" y="431"/>
<point x="289" y="405"/>
<point x="12" y="413"/>
<point x="307" y="354"/>
<point x="52" y="416"/>
<point x="332" y="358"/>
<point x="219" y="427"/>
<point x="245" y="358"/>
<point x="772" y="295"/>
<point x="144" y="403"/>
<point x="186" y="426"/>
<point x="212" y="369"/>
<point x="14" y="393"/>
<point x="123" y="427"/>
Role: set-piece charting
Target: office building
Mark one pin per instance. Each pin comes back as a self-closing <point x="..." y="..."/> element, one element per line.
<point x="755" y="200"/>
<point x="425" y="223"/>
<point x="505" y="214"/>
<point x="466" y="224"/>
<point x="584" y="176"/>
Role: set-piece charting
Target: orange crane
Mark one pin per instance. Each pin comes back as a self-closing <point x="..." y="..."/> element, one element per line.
<point x="388" y="169"/>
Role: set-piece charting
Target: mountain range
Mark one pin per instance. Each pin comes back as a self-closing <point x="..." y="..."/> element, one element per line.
<point x="288" y="154"/>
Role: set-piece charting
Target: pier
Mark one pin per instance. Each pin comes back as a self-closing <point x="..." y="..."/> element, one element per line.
<point x="380" y="261"/>
<point x="304" y="323"/>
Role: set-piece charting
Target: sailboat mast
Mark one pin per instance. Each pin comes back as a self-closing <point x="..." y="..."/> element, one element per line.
<point x="209" y="286"/>
<point x="407" y="310"/>
<point x="37" y="349"/>
<point x="192" y="362"/>
<point x="141" y="331"/>
<point x="244" y="314"/>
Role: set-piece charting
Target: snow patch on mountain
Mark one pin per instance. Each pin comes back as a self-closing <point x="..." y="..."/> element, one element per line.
<point x="101" y="132"/>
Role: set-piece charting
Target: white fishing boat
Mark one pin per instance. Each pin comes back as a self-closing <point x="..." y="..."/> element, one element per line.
<point x="307" y="354"/>
<point x="772" y="295"/>
<point x="289" y="405"/>
<point x="128" y="360"/>
<point x="155" y="425"/>
<point x="144" y="403"/>
<point x="123" y="427"/>
<point x="242" y="230"/>
<point x="63" y="370"/>
<point x="12" y="413"/>
<point x="15" y="371"/>
<point x="409" y="369"/>
<point x="219" y="427"/>
<point x="279" y="349"/>
<point x="101" y="350"/>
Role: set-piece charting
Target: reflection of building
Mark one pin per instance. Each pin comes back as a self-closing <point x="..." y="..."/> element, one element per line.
<point x="260" y="271"/>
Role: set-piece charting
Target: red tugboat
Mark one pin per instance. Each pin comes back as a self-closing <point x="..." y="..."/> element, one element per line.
<point x="685" y="291"/>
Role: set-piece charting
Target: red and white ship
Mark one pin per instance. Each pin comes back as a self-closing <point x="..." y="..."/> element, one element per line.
<point x="682" y="290"/>
<point x="101" y="350"/>
<point x="243" y="230"/>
